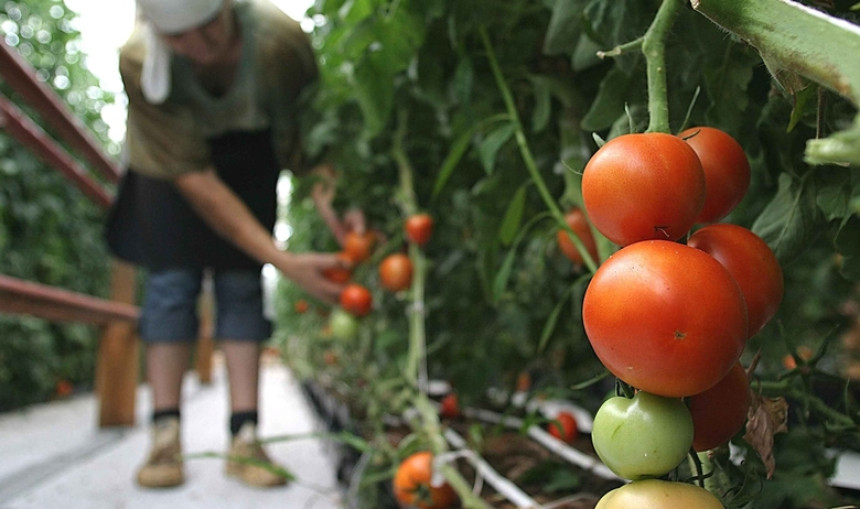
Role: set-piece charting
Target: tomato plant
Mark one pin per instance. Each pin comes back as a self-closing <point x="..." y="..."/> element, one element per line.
<point x="419" y="228"/>
<point x="413" y="488"/>
<point x="665" y="318"/>
<point x="563" y="427"/>
<point x="643" y="186"/>
<point x="578" y="223"/>
<point x="359" y="246"/>
<point x="726" y="167"/>
<point x="720" y="412"/>
<point x="750" y="262"/>
<point x="646" y="436"/>
<point x="395" y="272"/>
<point x="492" y="292"/>
<point x="356" y="299"/>
<point x="658" y="494"/>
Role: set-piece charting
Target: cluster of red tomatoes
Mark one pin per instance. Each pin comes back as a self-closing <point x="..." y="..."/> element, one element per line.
<point x="670" y="312"/>
<point x="395" y="273"/>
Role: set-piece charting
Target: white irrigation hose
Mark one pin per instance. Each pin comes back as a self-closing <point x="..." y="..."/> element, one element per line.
<point x="556" y="446"/>
<point x="501" y="484"/>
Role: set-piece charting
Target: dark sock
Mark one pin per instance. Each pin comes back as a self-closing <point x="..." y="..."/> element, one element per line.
<point x="237" y="419"/>
<point x="167" y="412"/>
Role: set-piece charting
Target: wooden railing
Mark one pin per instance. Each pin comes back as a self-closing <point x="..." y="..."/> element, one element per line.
<point x="117" y="372"/>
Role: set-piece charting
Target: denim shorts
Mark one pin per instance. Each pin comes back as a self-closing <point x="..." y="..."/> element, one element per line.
<point x="170" y="306"/>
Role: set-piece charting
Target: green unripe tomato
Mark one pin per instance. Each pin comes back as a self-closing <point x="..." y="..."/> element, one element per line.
<point x="343" y="325"/>
<point x="646" y="436"/>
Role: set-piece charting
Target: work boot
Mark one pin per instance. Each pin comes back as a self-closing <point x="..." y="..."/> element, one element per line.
<point x="249" y="463"/>
<point x="164" y="467"/>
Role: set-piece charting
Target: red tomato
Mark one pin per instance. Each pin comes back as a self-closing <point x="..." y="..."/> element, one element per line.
<point x="803" y="351"/>
<point x="720" y="412"/>
<point x="643" y="186"/>
<point x="563" y="427"/>
<point x="575" y="218"/>
<point x="395" y="272"/>
<point x="449" y="407"/>
<point x="726" y="167"/>
<point x="524" y="382"/>
<point x="340" y="274"/>
<point x="752" y="264"/>
<point x="419" y="228"/>
<point x="665" y="318"/>
<point x="330" y="358"/>
<point x="359" y="246"/>
<point x="356" y="299"/>
<point x="64" y="388"/>
<point x="412" y="486"/>
<point x="301" y="306"/>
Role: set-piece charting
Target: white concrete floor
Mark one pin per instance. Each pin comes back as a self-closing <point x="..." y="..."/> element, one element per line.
<point x="54" y="455"/>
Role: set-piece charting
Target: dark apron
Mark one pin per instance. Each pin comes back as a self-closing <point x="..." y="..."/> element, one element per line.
<point x="151" y="225"/>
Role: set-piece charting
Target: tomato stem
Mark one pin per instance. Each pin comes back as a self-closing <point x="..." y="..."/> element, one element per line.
<point x="416" y="366"/>
<point x="794" y="39"/>
<point x="617" y="51"/>
<point x="654" y="49"/>
<point x="525" y="151"/>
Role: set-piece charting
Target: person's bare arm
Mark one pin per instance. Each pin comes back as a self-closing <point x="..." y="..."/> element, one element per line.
<point x="225" y="213"/>
<point x="323" y="194"/>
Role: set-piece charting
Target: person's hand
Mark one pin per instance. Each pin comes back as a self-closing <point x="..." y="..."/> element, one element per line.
<point x="322" y="191"/>
<point x="306" y="270"/>
<point x="354" y="221"/>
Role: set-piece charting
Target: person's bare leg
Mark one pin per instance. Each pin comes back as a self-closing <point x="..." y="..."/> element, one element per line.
<point x="243" y="370"/>
<point x="166" y="364"/>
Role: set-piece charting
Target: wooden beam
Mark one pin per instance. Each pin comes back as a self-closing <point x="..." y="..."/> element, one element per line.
<point x="24" y="297"/>
<point x="30" y="135"/>
<point x="21" y="76"/>
<point x="118" y="361"/>
<point x="205" y="336"/>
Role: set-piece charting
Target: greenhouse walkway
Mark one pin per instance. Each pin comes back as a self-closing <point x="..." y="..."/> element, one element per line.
<point x="55" y="455"/>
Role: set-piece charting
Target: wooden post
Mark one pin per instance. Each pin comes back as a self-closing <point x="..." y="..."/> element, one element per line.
<point x="118" y="363"/>
<point x="205" y="341"/>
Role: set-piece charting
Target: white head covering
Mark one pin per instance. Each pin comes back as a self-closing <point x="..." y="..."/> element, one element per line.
<point x="167" y="17"/>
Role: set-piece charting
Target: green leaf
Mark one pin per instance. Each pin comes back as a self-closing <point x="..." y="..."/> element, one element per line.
<point x="788" y="222"/>
<point x="615" y="23"/>
<point x="353" y="11"/>
<point x="727" y="87"/>
<point x="833" y="192"/>
<point x="610" y="100"/>
<point x="503" y="274"/>
<point x="513" y="217"/>
<point x="848" y="246"/>
<point x="500" y="282"/>
<point x="458" y="148"/>
<point x="464" y="78"/>
<point x="374" y="89"/>
<point x="805" y="102"/>
<point x="493" y="143"/>
<point x="543" y="102"/>
<point x="565" y="24"/>
<point x="552" y="477"/>
<point x="585" y="55"/>
<point x="551" y="321"/>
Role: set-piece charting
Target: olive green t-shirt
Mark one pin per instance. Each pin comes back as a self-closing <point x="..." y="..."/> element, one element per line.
<point x="169" y="139"/>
